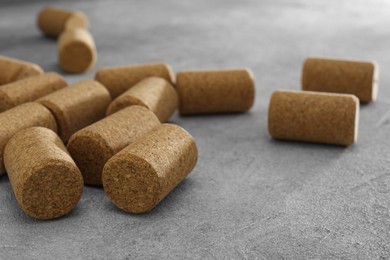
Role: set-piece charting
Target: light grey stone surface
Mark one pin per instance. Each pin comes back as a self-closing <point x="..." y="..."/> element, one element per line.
<point x="249" y="196"/>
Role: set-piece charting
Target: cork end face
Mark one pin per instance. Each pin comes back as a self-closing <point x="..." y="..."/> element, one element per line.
<point x="251" y="89"/>
<point x="304" y="77"/>
<point x="357" y="115"/>
<point x="122" y="102"/>
<point x="375" y="81"/>
<point x="5" y="102"/>
<point x="76" y="57"/>
<point x="171" y="74"/>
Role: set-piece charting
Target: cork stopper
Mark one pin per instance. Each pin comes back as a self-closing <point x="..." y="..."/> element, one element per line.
<point x="145" y="172"/>
<point x="46" y="181"/>
<point x="12" y="70"/>
<point x="93" y="146"/>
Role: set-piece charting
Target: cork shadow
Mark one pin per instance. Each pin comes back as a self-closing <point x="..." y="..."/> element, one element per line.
<point x="308" y="145"/>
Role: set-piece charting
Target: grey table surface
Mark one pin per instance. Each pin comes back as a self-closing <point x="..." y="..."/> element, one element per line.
<point x="249" y="196"/>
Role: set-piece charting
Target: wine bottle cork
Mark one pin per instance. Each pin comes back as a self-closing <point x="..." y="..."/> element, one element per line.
<point x="53" y="21"/>
<point x="12" y="70"/>
<point x="119" y="79"/>
<point x="46" y="181"/>
<point x="21" y="117"/>
<point x="215" y="91"/>
<point x="154" y="93"/>
<point x="359" y="78"/>
<point x="91" y="147"/>
<point x="137" y="178"/>
<point x="76" y="50"/>
<point x="314" y="117"/>
<point x="29" y="89"/>
<point x="77" y="106"/>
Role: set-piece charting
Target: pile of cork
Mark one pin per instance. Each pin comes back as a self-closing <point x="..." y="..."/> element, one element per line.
<point x="111" y="131"/>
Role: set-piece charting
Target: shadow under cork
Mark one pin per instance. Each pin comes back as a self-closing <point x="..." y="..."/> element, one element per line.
<point x="309" y="145"/>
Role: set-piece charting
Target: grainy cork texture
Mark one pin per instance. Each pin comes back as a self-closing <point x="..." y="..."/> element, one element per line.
<point x="119" y="79"/>
<point x="29" y="89"/>
<point x="12" y="70"/>
<point x="215" y="91"/>
<point x="314" y="117"/>
<point x="21" y="117"/>
<point x="154" y="93"/>
<point x="141" y="175"/>
<point x="77" y="106"/>
<point x="93" y="146"/>
<point x="46" y="181"/>
<point x="76" y="50"/>
<point x="359" y="78"/>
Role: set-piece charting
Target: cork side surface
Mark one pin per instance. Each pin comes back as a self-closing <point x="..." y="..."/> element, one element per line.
<point x="51" y="20"/>
<point x="12" y="70"/>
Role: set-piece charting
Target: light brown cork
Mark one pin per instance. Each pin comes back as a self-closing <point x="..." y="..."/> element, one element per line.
<point x="215" y="91"/>
<point x="119" y="79"/>
<point x="46" y="181"/>
<point x="92" y="146"/>
<point x="154" y="93"/>
<point x="21" y="117"/>
<point x="12" y="70"/>
<point x="77" y="106"/>
<point x="53" y="21"/>
<point x="29" y="89"/>
<point x="145" y="172"/>
<point x="359" y="78"/>
<point x="314" y="117"/>
<point x="76" y="50"/>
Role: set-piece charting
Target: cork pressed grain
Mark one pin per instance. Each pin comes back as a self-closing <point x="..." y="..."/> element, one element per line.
<point x="12" y="70"/>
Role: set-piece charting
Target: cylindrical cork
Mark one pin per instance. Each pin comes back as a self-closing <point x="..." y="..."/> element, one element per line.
<point x="154" y="93"/>
<point x="12" y="70"/>
<point x="215" y="91"/>
<point x="119" y="79"/>
<point x="77" y="106"/>
<point x="19" y="118"/>
<point x="29" y="89"/>
<point x="53" y="21"/>
<point x="141" y="175"/>
<point x="46" y="181"/>
<point x="359" y="78"/>
<point x="93" y="146"/>
<point x="314" y="117"/>
<point x="76" y="50"/>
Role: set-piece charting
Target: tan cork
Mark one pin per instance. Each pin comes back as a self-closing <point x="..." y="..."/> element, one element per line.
<point x="77" y="106"/>
<point x="91" y="147"/>
<point x="154" y="93"/>
<point x="215" y="91"/>
<point x="29" y="89"/>
<point x="359" y="78"/>
<point x="314" y="117"/>
<point x="12" y="70"/>
<point x="46" y="181"/>
<point x="76" y="50"/>
<point x="53" y="21"/>
<point x="21" y="117"/>
<point x="119" y="79"/>
<point x="141" y="175"/>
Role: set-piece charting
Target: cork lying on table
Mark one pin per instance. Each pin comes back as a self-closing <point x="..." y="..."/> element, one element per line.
<point x="314" y="117"/>
<point x="29" y="89"/>
<point x="12" y="70"/>
<point x="19" y="118"/>
<point x="215" y="91"/>
<point x="46" y="181"/>
<point x="154" y="93"/>
<point x="119" y="79"/>
<point x="359" y="78"/>
<point x="141" y="175"/>
<point x="91" y="147"/>
<point x="77" y="106"/>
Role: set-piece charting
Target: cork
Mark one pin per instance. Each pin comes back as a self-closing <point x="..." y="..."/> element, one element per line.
<point x="29" y="89"/>
<point x="53" y="21"/>
<point x="145" y="172"/>
<point x="77" y="106"/>
<point x="46" y="181"/>
<point x="94" y="145"/>
<point x="314" y="117"/>
<point x="119" y="79"/>
<point x="359" y="78"/>
<point x="215" y="91"/>
<point x="12" y="70"/>
<point x="76" y="50"/>
<point x="21" y="117"/>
